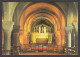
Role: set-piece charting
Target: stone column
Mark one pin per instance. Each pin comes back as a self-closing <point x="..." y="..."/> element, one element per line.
<point x="7" y="27"/>
<point x="68" y="37"/>
<point x="16" y="40"/>
<point x="76" y="37"/>
<point x="76" y="43"/>
<point x="68" y="31"/>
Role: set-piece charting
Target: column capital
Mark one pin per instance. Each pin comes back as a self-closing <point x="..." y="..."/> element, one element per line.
<point x="69" y="28"/>
<point x="76" y="26"/>
<point x="7" y="25"/>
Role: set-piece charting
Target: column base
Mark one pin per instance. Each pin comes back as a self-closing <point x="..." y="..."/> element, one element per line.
<point x="6" y="52"/>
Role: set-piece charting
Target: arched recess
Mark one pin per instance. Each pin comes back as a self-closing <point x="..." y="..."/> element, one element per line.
<point x="26" y="19"/>
<point x="28" y="23"/>
<point x="59" y="33"/>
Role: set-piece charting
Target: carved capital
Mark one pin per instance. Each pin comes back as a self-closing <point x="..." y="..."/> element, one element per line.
<point x="69" y="29"/>
<point x="7" y="26"/>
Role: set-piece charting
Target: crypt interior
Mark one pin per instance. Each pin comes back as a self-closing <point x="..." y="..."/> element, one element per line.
<point x="40" y="28"/>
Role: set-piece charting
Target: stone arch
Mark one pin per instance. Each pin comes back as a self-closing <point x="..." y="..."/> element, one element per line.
<point x="22" y="18"/>
<point x="46" y="14"/>
<point x="23" y="5"/>
<point x="36" y="8"/>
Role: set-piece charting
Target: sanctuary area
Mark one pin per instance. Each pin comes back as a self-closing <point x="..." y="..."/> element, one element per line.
<point x="39" y="28"/>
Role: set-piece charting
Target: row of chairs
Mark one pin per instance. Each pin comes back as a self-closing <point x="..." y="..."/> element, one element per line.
<point x="70" y="50"/>
<point x="40" y="48"/>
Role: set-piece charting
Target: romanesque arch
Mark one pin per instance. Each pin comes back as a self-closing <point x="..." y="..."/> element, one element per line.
<point x="53" y="13"/>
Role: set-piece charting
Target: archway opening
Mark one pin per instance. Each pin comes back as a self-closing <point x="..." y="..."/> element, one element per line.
<point x="42" y="26"/>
